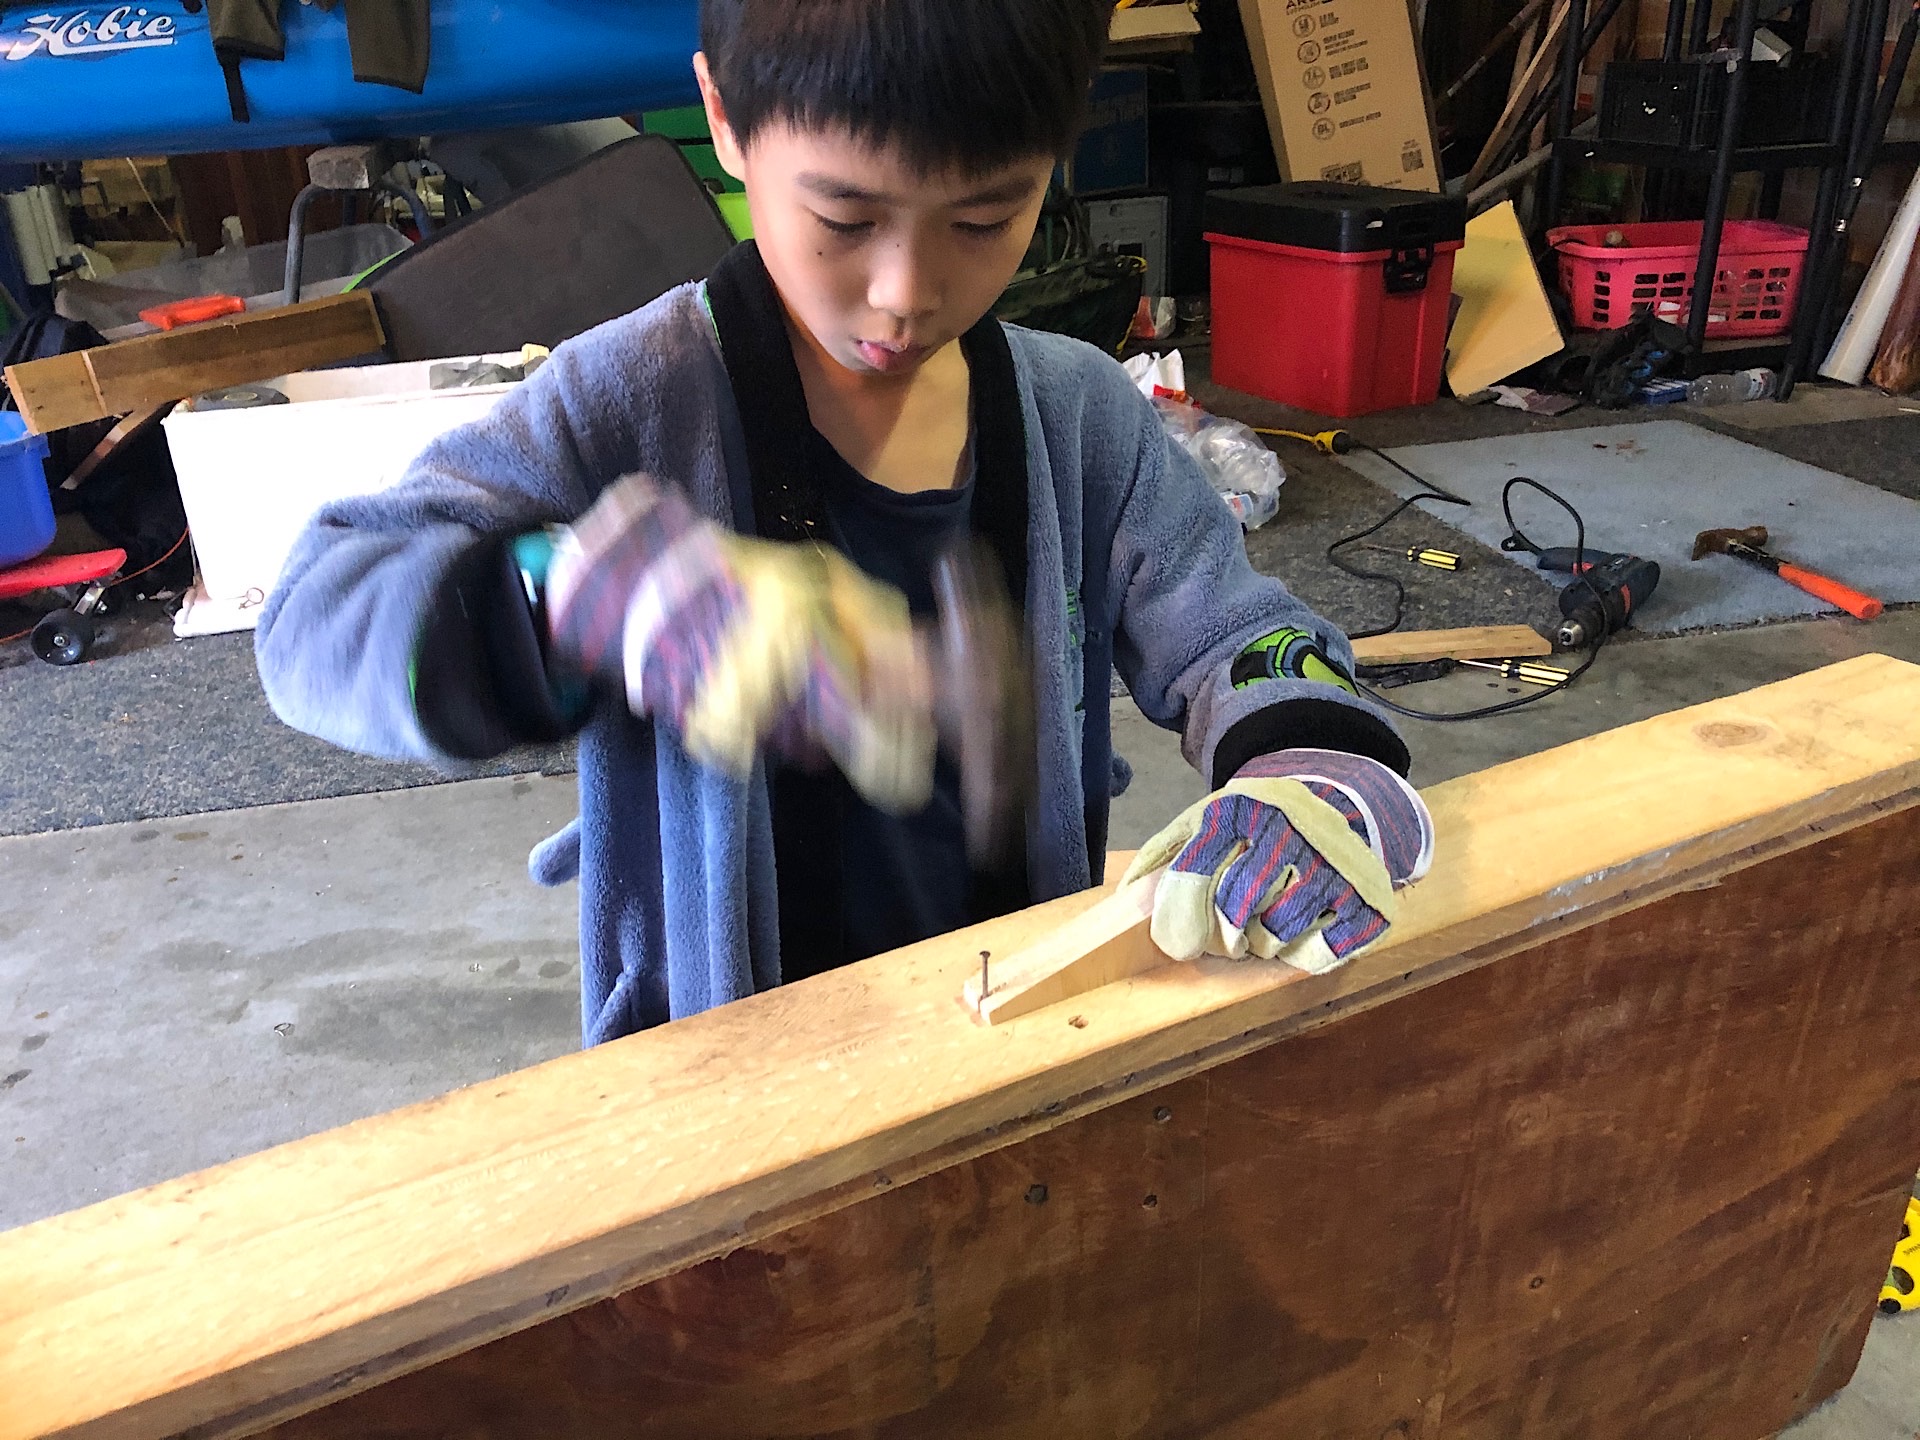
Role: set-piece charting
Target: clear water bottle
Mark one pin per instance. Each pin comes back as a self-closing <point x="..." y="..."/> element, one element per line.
<point x="1250" y="507"/>
<point x="1741" y="385"/>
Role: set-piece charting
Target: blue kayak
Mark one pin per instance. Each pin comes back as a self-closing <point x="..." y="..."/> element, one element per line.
<point x="80" y="81"/>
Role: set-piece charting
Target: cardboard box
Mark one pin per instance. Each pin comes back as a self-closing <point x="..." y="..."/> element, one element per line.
<point x="1344" y="91"/>
<point x="1150" y="24"/>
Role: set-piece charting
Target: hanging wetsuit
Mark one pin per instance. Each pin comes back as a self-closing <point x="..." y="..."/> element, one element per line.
<point x="390" y="41"/>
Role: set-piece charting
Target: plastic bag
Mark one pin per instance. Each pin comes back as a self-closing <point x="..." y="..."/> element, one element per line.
<point x="1243" y="471"/>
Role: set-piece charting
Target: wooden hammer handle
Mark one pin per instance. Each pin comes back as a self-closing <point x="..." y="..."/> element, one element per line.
<point x="1861" y="607"/>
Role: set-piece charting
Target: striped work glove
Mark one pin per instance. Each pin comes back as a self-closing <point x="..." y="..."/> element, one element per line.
<point x="741" y="643"/>
<point x="1297" y="856"/>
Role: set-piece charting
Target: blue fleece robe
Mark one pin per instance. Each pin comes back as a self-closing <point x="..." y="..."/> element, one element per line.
<point x="1132" y="562"/>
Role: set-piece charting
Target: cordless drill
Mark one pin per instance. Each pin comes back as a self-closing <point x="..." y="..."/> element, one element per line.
<point x="1610" y="588"/>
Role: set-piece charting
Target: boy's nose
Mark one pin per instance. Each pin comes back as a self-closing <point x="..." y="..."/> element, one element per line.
<point x="904" y="283"/>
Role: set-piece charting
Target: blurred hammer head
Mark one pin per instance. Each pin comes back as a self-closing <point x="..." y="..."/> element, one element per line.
<point x="983" y="699"/>
<point x="1723" y="542"/>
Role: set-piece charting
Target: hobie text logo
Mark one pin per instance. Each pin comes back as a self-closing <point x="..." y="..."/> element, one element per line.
<point x="77" y="32"/>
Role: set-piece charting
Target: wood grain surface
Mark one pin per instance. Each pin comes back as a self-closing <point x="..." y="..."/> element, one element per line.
<point x="1477" y="642"/>
<point x="223" y="1301"/>
<point x="1641" y="1181"/>
<point x="152" y="370"/>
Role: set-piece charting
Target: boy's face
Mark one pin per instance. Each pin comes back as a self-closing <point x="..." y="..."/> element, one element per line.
<point x="881" y="263"/>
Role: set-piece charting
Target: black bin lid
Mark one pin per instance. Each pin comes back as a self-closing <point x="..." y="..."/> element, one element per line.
<point x="1324" y="215"/>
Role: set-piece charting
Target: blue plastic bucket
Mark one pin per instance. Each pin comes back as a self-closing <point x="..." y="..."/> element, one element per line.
<point x="26" y="510"/>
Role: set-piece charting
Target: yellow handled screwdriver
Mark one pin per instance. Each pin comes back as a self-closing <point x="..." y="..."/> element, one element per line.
<point x="1531" y="671"/>
<point x="1420" y="555"/>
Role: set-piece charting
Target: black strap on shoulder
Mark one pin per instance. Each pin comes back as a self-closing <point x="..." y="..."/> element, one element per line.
<point x="789" y="502"/>
<point x="789" y="493"/>
<point x="999" y="453"/>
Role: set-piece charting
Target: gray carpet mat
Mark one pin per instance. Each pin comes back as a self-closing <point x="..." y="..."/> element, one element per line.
<point x="1884" y="452"/>
<point x="1650" y="487"/>
<point x="156" y="727"/>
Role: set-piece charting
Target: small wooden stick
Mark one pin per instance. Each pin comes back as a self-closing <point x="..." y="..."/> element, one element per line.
<point x="1104" y="943"/>
<point x="1483" y="642"/>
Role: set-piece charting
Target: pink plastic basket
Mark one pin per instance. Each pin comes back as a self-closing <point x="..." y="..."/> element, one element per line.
<point x="1753" y="294"/>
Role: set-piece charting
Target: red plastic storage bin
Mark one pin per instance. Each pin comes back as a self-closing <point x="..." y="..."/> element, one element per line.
<point x="1332" y="298"/>
<point x="1754" y="292"/>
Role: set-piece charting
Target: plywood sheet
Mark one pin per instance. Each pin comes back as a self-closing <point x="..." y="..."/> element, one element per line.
<point x="1639" y="1181"/>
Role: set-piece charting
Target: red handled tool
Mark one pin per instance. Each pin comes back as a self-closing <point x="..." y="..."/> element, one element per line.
<point x="192" y="310"/>
<point x="1747" y="543"/>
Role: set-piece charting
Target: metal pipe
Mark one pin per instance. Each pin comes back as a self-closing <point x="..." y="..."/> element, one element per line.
<point x="1816" y="279"/>
<point x="1707" y="268"/>
<point x="1537" y="107"/>
<point x="1572" y="51"/>
<point x="1870" y="111"/>
<point x="1676" y="29"/>
<point x="297" y="241"/>
<point x="297" y="227"/>
<point x="1868" y="151"/>
<point x="422" y="221"/>
<point x="1702" y="22"/>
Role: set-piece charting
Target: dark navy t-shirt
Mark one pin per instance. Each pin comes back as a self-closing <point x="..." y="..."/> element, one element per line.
<point x="853" y="880"/>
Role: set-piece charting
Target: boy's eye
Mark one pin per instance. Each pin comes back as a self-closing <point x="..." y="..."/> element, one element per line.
<point x="845" y="227"/>
<point x="975" y="227"/>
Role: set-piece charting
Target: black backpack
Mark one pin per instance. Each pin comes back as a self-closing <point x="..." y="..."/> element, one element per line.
<point x="132" y="500"/>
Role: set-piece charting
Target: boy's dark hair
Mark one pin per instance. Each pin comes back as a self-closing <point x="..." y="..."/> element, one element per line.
<point x="965" y="84"/>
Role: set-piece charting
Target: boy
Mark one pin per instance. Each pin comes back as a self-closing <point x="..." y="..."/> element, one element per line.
<point x="799" y="435"/>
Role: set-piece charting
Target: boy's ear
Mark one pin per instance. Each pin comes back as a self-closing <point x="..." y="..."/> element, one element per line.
<point x="726" y="146"/>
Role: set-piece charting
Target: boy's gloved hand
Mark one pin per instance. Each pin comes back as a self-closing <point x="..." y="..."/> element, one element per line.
<point x="1301" y="849"/>
<point x="739" y="642"/>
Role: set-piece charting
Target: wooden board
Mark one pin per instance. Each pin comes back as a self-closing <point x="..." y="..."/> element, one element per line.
<point x="224" y="1301"/>
<point x="1505" y="321"/>
<point x="152" y="370"/>
<point x="1478" y="642"/>
<point x="1641" y="1181"/>
<point x="1526" y="84"/>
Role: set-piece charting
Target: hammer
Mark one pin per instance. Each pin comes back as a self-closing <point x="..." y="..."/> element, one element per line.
<point x="1747" y="545"/>
<point x="983" y="707"/>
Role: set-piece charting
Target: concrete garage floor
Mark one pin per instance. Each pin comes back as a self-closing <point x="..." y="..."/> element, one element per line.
<point x="175" y="993"/>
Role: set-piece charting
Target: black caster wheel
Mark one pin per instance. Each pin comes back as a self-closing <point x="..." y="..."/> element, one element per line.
<point x="63" y="637"/>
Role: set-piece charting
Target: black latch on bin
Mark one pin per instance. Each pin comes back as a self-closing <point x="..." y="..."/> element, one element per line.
<point x="1405" y="271"/>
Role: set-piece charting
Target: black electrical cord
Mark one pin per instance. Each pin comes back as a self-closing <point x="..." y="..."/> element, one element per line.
<point x="1430" y="492"/>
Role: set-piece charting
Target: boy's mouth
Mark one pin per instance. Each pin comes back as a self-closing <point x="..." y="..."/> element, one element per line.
<point x="889" y="358"/>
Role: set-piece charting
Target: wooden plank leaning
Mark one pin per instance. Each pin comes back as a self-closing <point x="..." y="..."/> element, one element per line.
<point x="154" y="370"/>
